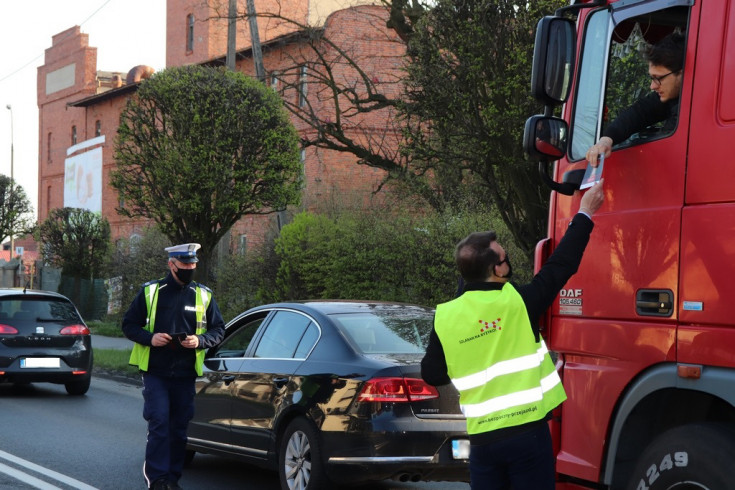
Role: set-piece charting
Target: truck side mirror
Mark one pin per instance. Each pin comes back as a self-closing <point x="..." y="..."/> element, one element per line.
<point x="545" y="137"/>
<point x="553" y="60"/>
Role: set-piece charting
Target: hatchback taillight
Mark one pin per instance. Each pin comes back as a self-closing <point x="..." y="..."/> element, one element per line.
<point x="8" y="330"/>
<point x="75" y="330"/>
<point x="397" y="390"/>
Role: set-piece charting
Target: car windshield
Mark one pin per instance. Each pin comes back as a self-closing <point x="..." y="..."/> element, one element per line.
<point x="37" y="309"/>
<point x="389" y="331"/>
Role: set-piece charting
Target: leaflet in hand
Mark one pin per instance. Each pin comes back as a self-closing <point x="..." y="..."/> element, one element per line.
<point x="593" y="174"/>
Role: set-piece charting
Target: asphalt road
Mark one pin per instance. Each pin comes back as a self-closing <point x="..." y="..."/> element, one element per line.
<point x="54" y="441"/>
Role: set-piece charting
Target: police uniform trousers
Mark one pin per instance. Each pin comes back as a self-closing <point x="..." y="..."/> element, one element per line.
<point x="168" y="407"/>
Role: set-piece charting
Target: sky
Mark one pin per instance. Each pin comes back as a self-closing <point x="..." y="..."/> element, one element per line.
<point x="126" y="33"/>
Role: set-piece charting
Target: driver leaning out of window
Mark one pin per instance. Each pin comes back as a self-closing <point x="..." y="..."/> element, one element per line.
<point x="666" y="69"/>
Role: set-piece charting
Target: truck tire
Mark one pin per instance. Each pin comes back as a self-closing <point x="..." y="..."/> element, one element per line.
<point x="690" y="457"/>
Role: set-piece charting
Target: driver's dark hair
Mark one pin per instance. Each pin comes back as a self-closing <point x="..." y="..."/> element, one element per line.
<point x="474" y="257"/>
<point x="668" y="52"/>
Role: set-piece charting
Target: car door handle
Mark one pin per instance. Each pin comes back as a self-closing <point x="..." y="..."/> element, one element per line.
<point x="228" y="379"/>
<point x="280" y="382"/>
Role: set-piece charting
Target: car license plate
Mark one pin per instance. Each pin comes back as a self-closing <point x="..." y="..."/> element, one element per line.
<point x="40" y="362"/>
<point x="461" y="449"/>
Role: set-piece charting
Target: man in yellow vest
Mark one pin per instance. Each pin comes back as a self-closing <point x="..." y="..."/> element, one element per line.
<point x="171" y="320"/>
<point x="486" y="342"/>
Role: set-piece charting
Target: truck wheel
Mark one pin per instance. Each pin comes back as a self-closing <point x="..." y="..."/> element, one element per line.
<point x="300" y="464"/>
<point x="691" y="457"/>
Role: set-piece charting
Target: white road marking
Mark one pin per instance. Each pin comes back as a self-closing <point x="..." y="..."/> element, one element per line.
<point x="31" y="480"/>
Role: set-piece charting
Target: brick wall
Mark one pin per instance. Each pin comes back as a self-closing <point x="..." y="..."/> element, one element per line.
<point x="331" y="179"/>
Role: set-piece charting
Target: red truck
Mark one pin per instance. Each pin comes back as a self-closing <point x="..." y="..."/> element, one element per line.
<point x="645" y="331"/>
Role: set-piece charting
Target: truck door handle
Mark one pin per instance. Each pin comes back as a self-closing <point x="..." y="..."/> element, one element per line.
<point x="280" y="382"/>
<point x="654" y="302"/>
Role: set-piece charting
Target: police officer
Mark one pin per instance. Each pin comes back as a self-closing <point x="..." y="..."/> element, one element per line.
<point x="171" y="320"/>
<point x="486" y="342"/>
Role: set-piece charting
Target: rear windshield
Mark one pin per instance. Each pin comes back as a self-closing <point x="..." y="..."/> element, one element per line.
<point x="387" y="332"/>
<point x="38" y="309"/>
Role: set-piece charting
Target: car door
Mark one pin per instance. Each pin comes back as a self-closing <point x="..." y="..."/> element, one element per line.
<point x="265" y="384"/>
<point x="214" y="389"/>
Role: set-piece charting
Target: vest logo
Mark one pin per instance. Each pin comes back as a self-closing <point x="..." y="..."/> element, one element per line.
<point x="487" y="327"/>
<point x="494" y="325"/>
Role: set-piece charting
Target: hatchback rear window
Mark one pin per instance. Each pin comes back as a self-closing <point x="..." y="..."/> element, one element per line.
<point x="37" y="309"/>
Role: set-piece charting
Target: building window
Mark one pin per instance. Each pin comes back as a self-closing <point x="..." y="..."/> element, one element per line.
<point x="48" y="200"/>
<point x="48" y="149"/>
<point x="242" y="244"/>
<point x="302" y="86"/>
<point x="190" y="32"/>
<point x="73" y="135"/>
<point x="274" y="80"/>
<point x="97" y="128"/>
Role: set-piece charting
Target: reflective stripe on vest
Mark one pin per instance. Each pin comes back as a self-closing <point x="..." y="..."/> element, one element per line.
<point x="141" y="353"/>
<point x="504" y="377"/>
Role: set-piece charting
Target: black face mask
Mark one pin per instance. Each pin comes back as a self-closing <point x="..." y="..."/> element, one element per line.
<point x="510" y="267"/>
<point x="185" y="275"/>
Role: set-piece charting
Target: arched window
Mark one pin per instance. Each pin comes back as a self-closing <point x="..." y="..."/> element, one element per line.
<point x="73" y="135"/>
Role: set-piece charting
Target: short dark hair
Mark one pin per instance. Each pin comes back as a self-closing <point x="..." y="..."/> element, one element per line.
<point x="474" y="257"/>
<point x="668" y="52"/>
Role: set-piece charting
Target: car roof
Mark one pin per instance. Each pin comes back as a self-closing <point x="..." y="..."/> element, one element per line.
<point x="328" y="307"/>
<point x="31" y="292"/>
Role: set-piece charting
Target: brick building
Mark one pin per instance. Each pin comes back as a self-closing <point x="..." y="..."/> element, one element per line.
<point x="79" y="107"/>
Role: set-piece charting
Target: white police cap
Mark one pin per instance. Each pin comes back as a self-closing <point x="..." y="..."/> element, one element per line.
<point x="185" y="253"/>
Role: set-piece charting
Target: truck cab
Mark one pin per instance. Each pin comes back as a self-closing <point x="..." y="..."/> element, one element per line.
<point x="645" y="331"/>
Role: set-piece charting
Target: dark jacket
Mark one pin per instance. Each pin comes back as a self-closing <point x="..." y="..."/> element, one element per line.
<point x="537" y="296"/>
<point x="644" y="112"/>
<point x="172" y="360"/>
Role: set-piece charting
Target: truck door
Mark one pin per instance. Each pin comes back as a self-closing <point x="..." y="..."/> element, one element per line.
<point x="617" y="315"/>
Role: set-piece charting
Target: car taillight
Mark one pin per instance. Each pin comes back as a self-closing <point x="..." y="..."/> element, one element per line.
<point x="75" y="330"/>
<point x="397" y="390"/>
<point x="8" y="330"/>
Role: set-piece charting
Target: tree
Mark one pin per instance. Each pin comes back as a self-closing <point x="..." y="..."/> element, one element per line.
<point x="467" y="98"/>
<point x="16" y="212"/>
<point x="77" y="241"/>
<point x="198" y="148"/>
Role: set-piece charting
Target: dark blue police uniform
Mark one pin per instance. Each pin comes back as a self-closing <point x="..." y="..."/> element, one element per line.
<point x="170" y="374"/>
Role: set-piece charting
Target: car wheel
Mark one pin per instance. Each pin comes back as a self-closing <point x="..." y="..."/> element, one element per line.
<point x="691" y="457"/>
<point x="300" y="465"/>
<point x="78" y="387"/>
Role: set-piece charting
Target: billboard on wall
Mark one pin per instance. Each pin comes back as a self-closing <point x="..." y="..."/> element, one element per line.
<point x="83" y="176"/>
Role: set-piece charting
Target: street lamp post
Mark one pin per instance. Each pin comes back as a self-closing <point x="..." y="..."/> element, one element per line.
<point x="12" y="183"/>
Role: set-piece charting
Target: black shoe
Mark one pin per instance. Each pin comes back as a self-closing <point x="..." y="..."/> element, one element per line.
<point x="160" y="485"/>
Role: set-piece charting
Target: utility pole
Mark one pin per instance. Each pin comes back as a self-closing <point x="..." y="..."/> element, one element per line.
<point x="255" y="41"/>
<point x="12" y="184"/>
<point x="254" y="38"/>
<point x="231" y="35"/>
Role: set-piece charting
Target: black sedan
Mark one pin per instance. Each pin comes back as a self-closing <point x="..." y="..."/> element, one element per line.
<point x="43" y="339"/>
<point x="329" y="392"/>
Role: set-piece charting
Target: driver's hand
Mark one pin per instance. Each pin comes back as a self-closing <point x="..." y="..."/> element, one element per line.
<point x="604" y="147"/>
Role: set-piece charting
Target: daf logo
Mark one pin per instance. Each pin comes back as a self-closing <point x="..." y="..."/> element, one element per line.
<point x="570" y="293"/>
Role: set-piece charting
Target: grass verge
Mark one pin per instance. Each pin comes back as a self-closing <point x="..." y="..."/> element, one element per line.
<point x="114" y="361"/>
<point x="106" y="328"/>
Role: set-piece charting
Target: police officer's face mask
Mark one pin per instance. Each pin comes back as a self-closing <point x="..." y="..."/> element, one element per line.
<point x="185" y="275"/>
